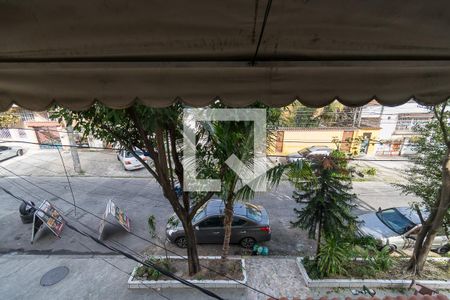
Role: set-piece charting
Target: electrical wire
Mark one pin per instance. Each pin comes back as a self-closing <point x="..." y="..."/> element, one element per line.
<point x="146" y="263"/>
<point x="138" y="236"/>
<point x="127" y="273"/>
<point x="374" y="142"/>
<point x="92" y="230"/>
<point x="266" y="16"/>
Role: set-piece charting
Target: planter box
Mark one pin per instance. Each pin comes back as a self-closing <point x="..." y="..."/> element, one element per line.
<point x="134" y="283"/>
<point x="358" y="283"/>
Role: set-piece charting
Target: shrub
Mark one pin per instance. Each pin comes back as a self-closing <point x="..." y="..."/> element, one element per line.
<point x="338" y="256"/>
<point x="371" y="171"/>
<point x="151" y="273"/>
<point x="333" y="257"/>
<point x="381" y="259"/>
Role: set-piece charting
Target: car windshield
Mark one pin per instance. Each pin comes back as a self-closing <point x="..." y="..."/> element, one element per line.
<point x="138" y="152"/>
<point x="393" y="219"/>
<point x="253" y="213"/>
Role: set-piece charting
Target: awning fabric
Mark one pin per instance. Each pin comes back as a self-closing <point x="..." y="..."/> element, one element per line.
<point x="77" y="52"/>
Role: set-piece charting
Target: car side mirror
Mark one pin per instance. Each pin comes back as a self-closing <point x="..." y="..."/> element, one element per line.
<point x="379" y="208"/>
<point x="196" y="228"/>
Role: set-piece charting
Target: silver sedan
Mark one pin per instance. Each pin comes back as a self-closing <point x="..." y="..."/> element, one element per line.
<point x="398" y="228"/>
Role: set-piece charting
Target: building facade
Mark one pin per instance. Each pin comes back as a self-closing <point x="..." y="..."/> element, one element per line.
<point x="396" y="125"/>
<point x="352" y="140"/>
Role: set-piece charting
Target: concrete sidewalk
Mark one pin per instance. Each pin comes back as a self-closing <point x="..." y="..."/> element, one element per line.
<point x="99" y="277"/>
<point x="103" y="277"/>
<point x="89" y="278"/>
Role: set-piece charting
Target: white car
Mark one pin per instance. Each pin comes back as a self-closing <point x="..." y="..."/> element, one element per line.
<point x="398" y="228"/>
<point x="10" y="151"/>
<point x="129" y="161"/>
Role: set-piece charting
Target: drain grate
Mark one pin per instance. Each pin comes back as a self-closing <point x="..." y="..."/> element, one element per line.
<point x="54" y="276"/>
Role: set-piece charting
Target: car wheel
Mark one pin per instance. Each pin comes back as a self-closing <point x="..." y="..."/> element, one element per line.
<point x="443" y="249"/>
<point x="181" y="242"/>
<point x="19" y="152"/>
<point x="247" y="242"/>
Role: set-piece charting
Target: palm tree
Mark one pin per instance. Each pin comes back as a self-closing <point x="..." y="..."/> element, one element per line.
<point x="225" y="139"/>
<point x="325" y="192"/>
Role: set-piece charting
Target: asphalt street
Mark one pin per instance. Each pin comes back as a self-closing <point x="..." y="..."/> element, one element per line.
<point x="140" y="196"/>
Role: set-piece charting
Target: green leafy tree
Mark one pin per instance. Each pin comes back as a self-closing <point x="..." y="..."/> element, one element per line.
<point x="429" y="179"/>
<point x="326" y="198"/>
<point x="156" y="131"/>
<point x="424" y="178"/>
<point x="8" y="118"/>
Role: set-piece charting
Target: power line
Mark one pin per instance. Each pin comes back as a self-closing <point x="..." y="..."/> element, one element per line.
<point x="285" y="141"/>
<point x="146" y="263"/>
<point x="349" y="158"/>
<point x="127" y="273"/>
<point x="266" y="16"/>
<point x="68" y="181"/>
<point x="140" y="237"/>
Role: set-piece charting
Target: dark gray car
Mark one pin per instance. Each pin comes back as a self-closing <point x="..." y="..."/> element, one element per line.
<point x="250" y="225"/>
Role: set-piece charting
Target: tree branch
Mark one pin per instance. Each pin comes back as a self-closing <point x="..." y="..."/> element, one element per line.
<point x="199" y="204"/>
<point x="134" y="117"/>
<point x="440" y="117"/>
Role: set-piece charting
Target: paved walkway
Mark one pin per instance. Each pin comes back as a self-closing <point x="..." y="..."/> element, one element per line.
<point x="99" y="277"/>
<point x="275" y="276"/>
<point x="103" y="277"/>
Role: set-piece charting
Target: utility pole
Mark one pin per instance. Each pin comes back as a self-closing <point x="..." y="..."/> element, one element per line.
<point x="73" y="150"/>
<point x="359" y="116"/>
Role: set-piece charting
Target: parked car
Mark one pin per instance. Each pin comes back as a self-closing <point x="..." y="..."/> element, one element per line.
<point x="250" y="225"/>
<point x="309" y="152"/>
<point x="129" y="161"/>
<point x="398" y="228"/>
<point x="10" y="151"/>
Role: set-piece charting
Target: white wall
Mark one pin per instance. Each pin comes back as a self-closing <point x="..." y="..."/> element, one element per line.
<point x="389" y="116"/>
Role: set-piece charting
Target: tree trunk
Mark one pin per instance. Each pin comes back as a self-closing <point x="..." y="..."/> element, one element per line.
<point x="434" y="223"/>
<point x="319" y="237"/>
<point x="227" y="224"/>
<point x="192" y="253"/>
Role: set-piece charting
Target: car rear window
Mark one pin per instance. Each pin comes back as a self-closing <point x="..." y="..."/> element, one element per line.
<point x="393" y="219"/>
<point x="138" y="152"/>
<point x="304" y="151"/>
<point x="253" y="213"/>
<point x="201" y="213"/>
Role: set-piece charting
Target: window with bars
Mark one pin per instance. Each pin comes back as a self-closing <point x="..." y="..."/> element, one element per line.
<point x="22" y="133"/>
<point x="408" y="122"/>
<point x="5" y="133"/>
<point x="25" y="115"/>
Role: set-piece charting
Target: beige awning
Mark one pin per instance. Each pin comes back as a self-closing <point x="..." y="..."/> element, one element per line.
<point x="157" y="52"/>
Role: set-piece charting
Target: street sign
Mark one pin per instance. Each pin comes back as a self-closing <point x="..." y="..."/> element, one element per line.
<point x="119" y="214"/>
<point x="50" y="217"/>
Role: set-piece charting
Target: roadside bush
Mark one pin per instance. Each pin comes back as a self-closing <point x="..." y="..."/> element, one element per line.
<point x="381" y="259"/>
<point x="333" y="257"/>
<point x="151" y="273"/>
<point x="340" y="256"/>
<point x="371" y="171"/>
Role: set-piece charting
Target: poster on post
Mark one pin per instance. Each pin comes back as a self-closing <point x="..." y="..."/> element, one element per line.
<point x="49" y="216"/>
<point x="119" y="215"/>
